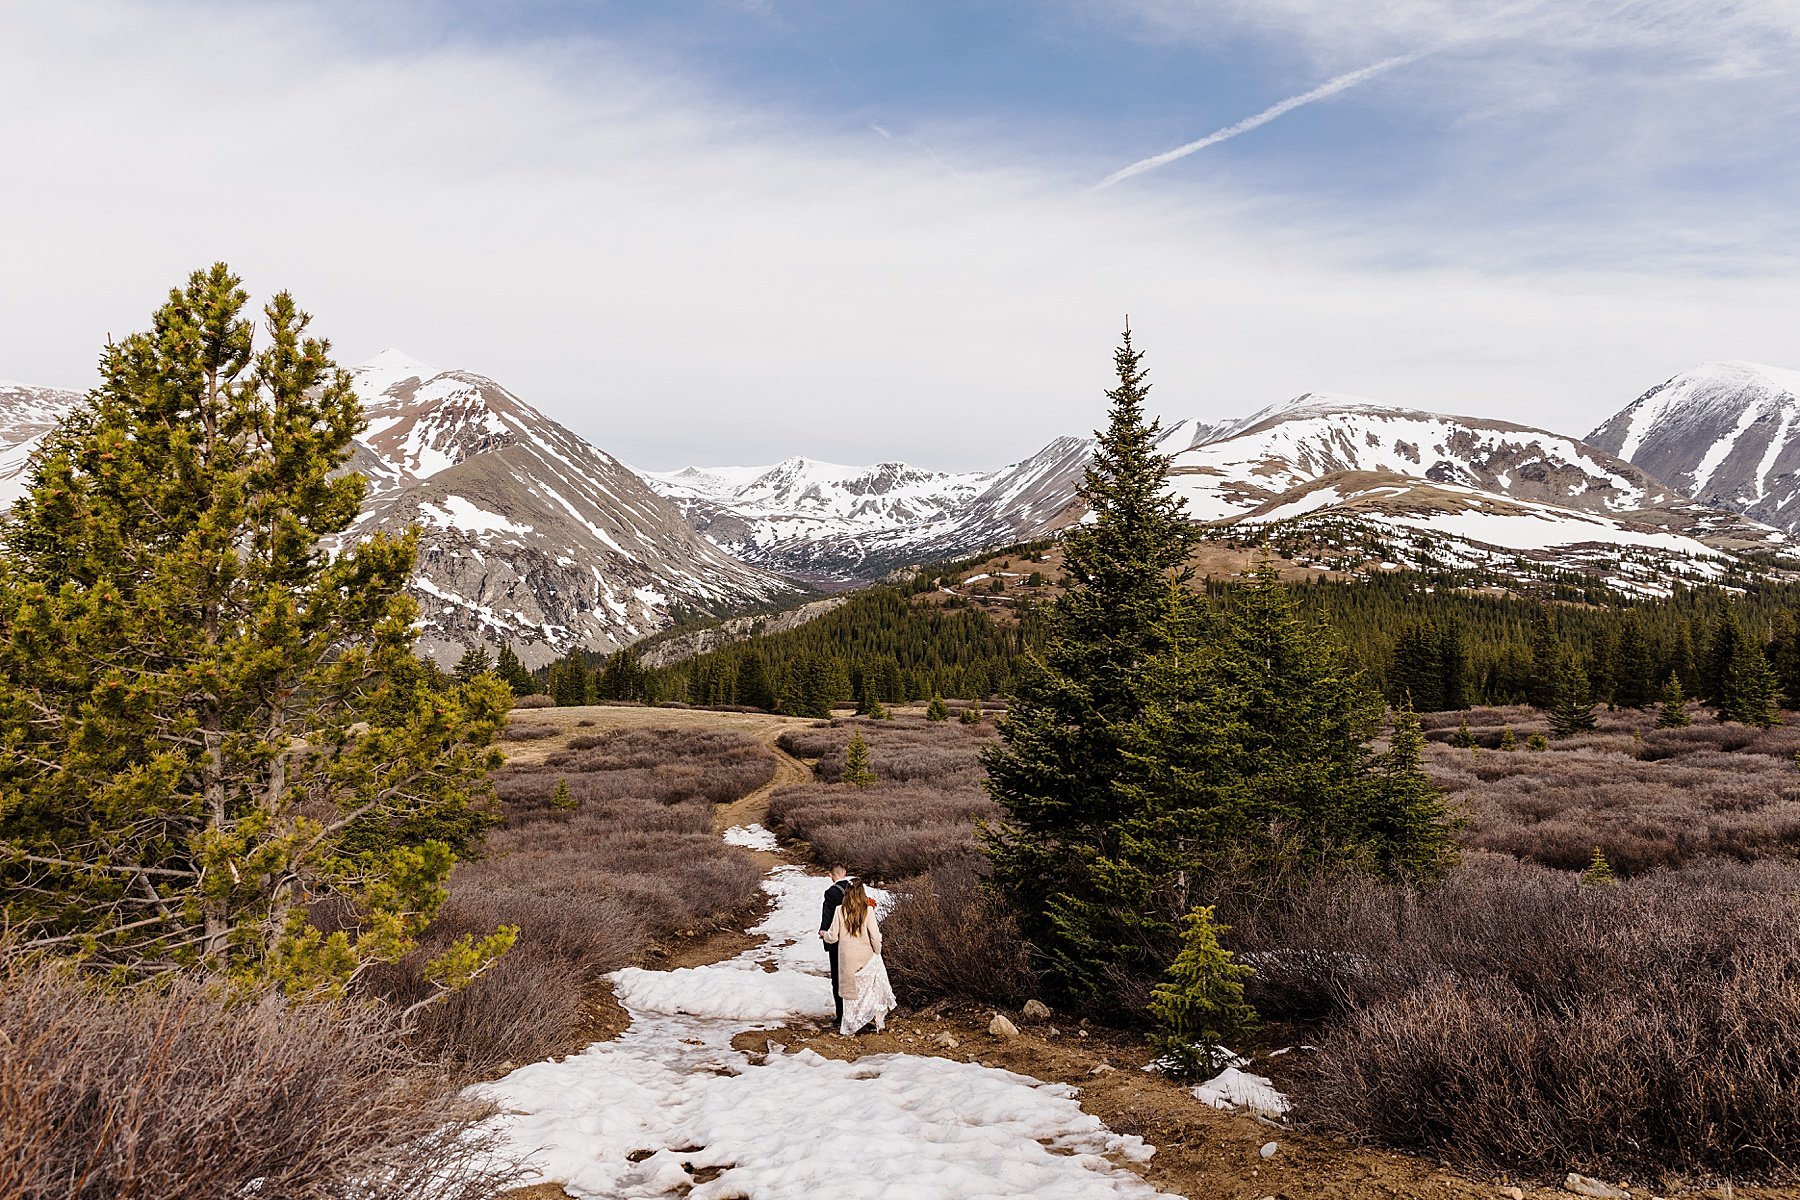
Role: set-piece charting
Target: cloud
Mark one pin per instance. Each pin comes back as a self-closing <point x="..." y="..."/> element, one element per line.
<point x="1330" y="87"/>
<point x="681" y="277"/>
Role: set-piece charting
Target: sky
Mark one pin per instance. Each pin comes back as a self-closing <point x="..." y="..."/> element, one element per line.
<point x="724" y="232"/>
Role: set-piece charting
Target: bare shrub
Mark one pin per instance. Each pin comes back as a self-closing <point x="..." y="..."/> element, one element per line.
<point x="536" y="700"/>
<point x="950" y="940"/>
<point x="518" y="731"/>
<point x="179" y="1096"/>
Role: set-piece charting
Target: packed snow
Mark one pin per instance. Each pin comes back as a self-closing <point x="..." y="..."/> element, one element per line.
<point x="1236" y="1088"/>
<point x="458" y="512"/>
<point x="673" y="1094"/>
<point x="750" y="837"/>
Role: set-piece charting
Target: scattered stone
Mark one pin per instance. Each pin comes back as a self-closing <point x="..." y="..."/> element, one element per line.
<point x="1035" y="1010"/>
<point x="944" y="1038"/>
<point x="1103" y="1069"/>
<point x="1001" y="1027"/>
<point x="1081" y="1033"/>
<point x="1269" y="1148"/>
<point x="1587" y="1185"/>
<point x="1052" y="1031"/>
<point x="1515" y="1193"/>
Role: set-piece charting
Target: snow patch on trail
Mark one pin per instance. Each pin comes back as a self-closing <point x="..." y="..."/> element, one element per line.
<point x="750" y="837"/>
<point x="1234" y="1088"/>
<point x="673" y="1093"/>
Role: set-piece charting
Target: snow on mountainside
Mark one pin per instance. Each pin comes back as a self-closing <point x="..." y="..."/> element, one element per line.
<point x="26" y="414"/>
<point x="529" y="534"/>
<point x="838" y="524"/>
<point x="1726" y="433"/>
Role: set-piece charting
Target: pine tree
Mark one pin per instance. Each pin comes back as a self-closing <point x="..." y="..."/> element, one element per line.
<point x="1537" y="741"/>
<point x="809" y="692"/>
<point x="1416" y="670"/>
<point x="857" y="769"/>
<point x="1464" y="737"/>
<point x="1507" y="741"/>
<point x="971" y="713"/>
<point x="1054" y="773"/>
<point x="753" y="684"/>
<point x="560" y="799"/>
<point x="508" y="667"/>
<point x="1721" y="651"/>
<point x="1631" y="672"/>
<point x="570" y="682"/>
<point x="1546" y="648"/>
<point x="1599" y="872"/>
<point x="1674" y="714"/>
<point x="1199" y="1006"/>
<point x="1453" y="666"/>
<point x="209" y="722"/>
<point x="473" y="662"/>
<point x="937" y="710"/>
<point x="1747" y="686"/>
<point x="1571" y="701"/>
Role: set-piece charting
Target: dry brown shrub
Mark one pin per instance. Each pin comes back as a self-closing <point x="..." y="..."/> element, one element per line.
<point x="536" y="700"/>
<point x="951" y="941"/>
<point x="177" y="1095"/>
<point x="519" y="731"/>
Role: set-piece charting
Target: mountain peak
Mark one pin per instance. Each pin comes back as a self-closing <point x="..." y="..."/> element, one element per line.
<point x="387" y="369"/>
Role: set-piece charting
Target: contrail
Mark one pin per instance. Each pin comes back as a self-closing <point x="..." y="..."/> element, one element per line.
<point x="1329" y="88"/>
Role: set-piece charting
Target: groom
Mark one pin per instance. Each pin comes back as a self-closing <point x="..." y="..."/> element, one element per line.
<point x="834" y="899"/>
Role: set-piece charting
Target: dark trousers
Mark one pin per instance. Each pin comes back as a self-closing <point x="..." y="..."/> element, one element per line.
<point x="831" y="953"/>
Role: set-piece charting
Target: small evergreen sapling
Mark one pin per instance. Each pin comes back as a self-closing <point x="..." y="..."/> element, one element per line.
<point x="1537" y="741"/>
<point x="937" y="710"/>
<point x="561" y="798"/>
<point x="1200" y="1003"/>
<point x="972" y="714"/>
<point x="1507" y="741"/>
<point x="1599" y="872"/>
<point x="857" y="769"/>
<point x="1464" y="737"/>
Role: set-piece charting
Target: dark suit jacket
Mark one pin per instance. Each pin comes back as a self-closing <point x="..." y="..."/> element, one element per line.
<point x="834" y="900"/>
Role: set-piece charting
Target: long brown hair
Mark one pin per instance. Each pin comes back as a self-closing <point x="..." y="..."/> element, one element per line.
<point x="856" y="907"/>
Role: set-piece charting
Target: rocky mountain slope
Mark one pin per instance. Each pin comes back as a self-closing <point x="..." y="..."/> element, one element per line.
<point x="1726" y="433"/>
<point x="833" y="524"/>
<point x="529" y="535"/>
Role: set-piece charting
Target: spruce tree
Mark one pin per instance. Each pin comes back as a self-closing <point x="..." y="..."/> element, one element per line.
<point x="1537" y="741"/>
<point x="1199" y="1007"/>
<point x="1054" y="773"/>
<point x="1464" y="737"/>
<point x="1599" y="872"/>
<point x="474" y="662"/>
<point x="560" y="798"/>
<point x="571" y="685"/>
<point x="809" y="691"/>
<point x="754" y="687"/>
<point x="1674" y="714"/>
<point x="508" y="667"/>
<point x="210" y="722"/>
<point x="1747" y="686"/>
<point x="1632" y="685"/>
<point x="1453" y="666"/>
<point x="1416" y="671"/>
<point x="857" y="769"/>
<point x="1507" y="740"/>
<point x="971" y="713"/>
<point x="1721" y="651"/>
<point x="937" y="710"/>
<point x="1571" y="700"/>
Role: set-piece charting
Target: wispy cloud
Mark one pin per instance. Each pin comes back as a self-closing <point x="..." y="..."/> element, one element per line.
<point x="1330" y="87"/>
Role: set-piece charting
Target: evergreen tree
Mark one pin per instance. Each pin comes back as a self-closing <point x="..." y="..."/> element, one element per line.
<point x="1674" y="714"/>
<point x="209" y="722"/>
<point x="1747" y="686"/>
<point x="753" y="685"/>
<point x="857" y="769"/>
<point x="809" y="692"/>
<point x="570" y="683"/>
<point x="1599" y="872"/>
<point x="971" y="713"/>
<point x="1571" y="700"/>
<point x="1199" y="1006"/>
<point x="1632" y="687"/>
<point x="1537" y="741"/>
<point x="1721" y="651"/>
<point x="1053" y="774"/>
<point x="1507" y="740"/>
<point x="1546" y="649"/>
<point x="560" y="798"/>
<point x="508" y="667"/>
<point x="474" y="662"/>
<point x="1464" y="737"/>
<point x="620" y="678"/>
<point x="937" y="710"/>
<point x="1416" y="671"/>
<point x="1455" y="685"/>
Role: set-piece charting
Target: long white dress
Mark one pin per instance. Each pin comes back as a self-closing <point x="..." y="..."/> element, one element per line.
<point x="873" y="1001"/>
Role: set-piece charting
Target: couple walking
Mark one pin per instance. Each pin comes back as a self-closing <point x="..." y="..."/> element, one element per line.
<point x="859" y="979"/>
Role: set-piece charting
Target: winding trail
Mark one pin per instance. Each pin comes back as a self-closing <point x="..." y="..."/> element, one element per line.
<point x="671" y="1109"/>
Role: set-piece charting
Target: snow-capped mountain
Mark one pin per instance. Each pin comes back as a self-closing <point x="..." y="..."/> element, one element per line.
<point x="26" y="414"/>
<point x="1726" y="433"/>
<point x="529" y="534"/>
<point x="833" y="523"/>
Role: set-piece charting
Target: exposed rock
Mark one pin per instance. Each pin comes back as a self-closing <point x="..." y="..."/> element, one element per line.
<point x="1001" y="1027"/>
<point x="1269" y="1148"/>
<point x="944" y="1038"/>
<point x="1103" y="1069"/>
<point x="1035" y="1010"/>
<point x="1587" y="1185"/>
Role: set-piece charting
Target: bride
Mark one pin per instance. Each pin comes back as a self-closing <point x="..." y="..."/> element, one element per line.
<point x="862" y="976"/>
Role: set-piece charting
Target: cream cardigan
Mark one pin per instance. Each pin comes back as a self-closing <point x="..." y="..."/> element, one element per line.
<point x="854" y="950"/>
